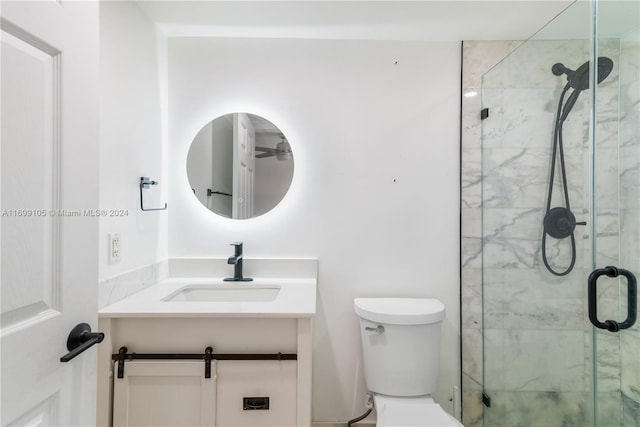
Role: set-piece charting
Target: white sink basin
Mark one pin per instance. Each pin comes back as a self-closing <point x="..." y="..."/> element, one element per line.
<point x="224" y="293"/>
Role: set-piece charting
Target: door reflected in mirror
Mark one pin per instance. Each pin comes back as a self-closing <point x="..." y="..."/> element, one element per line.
<point x="240" y="165"/>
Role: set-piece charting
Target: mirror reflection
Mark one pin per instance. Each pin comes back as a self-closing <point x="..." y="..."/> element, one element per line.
<point x="240" y="165"/>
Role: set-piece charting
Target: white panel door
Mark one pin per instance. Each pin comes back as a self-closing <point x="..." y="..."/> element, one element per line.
<point x="164" y="394"/>
<point x="244" y="141"/>
<point x="48" y="176"/>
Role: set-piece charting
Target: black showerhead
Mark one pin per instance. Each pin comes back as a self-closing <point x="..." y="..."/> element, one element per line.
<point x="579" y="79"/>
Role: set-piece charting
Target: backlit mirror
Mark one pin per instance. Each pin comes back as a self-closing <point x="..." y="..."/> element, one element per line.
<point x="240" y="165"/>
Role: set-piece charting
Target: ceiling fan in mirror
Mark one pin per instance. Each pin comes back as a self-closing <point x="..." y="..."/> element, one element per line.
<point x="282" y="150"/>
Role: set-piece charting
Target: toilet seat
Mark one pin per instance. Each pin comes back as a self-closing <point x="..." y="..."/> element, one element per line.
<point x="419" y="411"/>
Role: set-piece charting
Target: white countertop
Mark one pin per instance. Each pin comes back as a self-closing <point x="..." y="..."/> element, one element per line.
<point x="296" y="299"/>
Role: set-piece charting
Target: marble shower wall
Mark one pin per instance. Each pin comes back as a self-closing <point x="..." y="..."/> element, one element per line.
<point x="538" y="347"/>
<point x="537" y="340"/>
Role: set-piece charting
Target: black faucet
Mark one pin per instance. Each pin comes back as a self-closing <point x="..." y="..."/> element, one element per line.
<point x="236" y="260"/>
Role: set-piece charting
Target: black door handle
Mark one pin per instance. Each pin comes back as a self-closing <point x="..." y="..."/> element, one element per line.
<point x="612" y="325"/>
<point x="80" y="339"/>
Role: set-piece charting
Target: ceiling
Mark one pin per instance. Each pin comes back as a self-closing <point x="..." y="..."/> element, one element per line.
<point x="450" y="20"/>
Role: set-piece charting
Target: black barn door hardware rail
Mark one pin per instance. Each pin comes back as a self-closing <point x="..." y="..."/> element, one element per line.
<point x="207" y="357"/>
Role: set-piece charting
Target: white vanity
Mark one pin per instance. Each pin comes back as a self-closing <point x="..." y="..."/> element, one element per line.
<point x="203" y="351"/>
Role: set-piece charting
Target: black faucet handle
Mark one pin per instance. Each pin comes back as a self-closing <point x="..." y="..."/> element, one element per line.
<point x="238" y="248"/>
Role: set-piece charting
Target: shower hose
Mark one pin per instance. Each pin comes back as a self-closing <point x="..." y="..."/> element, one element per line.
<point x="559" y="222"/>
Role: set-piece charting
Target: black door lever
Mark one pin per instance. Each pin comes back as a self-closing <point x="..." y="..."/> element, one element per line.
<point x="80" y="339"/>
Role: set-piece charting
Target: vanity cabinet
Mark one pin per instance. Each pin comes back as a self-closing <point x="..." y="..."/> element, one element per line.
<point x="238" y="392"/>
<point x="153" y="393"/>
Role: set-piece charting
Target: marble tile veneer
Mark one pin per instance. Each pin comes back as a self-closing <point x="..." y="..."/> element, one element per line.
<point x="117" y="288"/>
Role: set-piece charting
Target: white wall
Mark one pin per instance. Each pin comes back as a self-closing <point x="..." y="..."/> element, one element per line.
<point x="132" y="135"/>
<point x="374" y="130"/>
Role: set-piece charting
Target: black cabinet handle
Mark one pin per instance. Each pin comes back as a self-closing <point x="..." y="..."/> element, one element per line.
<point x="255" y="403"/>
<point x="80" y="339"/>
<point x="612" y="325"/>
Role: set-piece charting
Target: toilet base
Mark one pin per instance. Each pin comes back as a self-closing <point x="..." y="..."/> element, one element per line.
<point x="418" y="411"/>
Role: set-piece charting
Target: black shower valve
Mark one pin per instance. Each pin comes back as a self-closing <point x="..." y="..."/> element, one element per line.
<point x="560" y="222"/>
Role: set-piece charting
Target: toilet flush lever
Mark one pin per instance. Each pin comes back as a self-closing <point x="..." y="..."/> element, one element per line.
<point x="378" y="329"/>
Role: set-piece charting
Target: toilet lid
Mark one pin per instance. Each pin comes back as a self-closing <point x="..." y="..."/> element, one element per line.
<point x="400" y="311"/>
<point x="407" y="412"/>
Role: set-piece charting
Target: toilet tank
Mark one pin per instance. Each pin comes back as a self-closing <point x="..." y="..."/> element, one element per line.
<point x="400" y="344"/>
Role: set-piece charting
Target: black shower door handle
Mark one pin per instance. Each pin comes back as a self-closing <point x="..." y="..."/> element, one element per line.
<point x="632" y="291"/>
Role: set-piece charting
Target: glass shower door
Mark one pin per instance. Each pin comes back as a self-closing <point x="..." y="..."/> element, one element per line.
<point x="537" y="340"/>
<point x="616" y="205"/>
<point x="561" y="199"/>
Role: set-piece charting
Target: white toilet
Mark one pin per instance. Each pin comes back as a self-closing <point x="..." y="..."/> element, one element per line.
<point x="401" y="352"/>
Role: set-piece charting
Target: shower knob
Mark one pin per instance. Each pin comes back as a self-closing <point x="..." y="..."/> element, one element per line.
<point x="560" y="222"/>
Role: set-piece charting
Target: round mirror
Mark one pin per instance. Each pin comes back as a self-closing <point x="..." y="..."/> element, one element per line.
<point x="240" y="165"/>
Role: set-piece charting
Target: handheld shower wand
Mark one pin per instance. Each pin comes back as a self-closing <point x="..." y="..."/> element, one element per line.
<point x="559" y="222"/>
